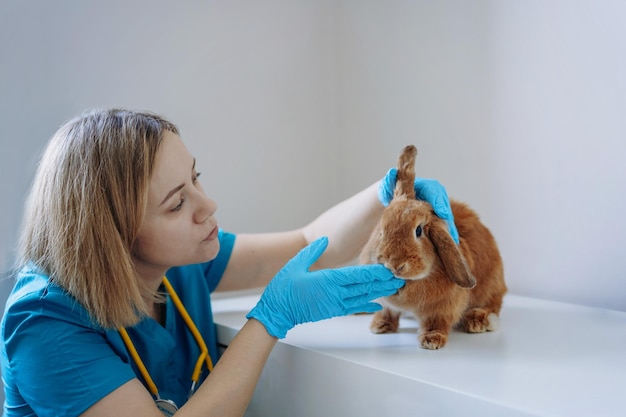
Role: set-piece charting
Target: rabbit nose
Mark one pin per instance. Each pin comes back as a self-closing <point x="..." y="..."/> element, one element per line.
<point x="399" y="269"/>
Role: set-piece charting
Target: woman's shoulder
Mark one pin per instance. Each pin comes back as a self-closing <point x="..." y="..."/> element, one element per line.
<point x="48" y="338"/>
<point x="35" y="296"/>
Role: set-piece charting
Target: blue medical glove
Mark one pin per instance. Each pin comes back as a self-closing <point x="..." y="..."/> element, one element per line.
<point x="425" y="189"/>
<point x="296" y="295"/>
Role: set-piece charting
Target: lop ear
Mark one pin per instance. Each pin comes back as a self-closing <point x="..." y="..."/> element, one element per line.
<point x="456" y="267"/>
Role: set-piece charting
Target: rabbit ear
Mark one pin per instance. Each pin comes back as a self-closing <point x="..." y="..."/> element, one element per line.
<point x="456" y="267"/>
<point x="406" y="173"/>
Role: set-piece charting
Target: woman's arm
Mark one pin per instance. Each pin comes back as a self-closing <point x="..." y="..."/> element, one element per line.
<point x="256" y="258"/>
<point x="348" y="226"/>
<point x="228" y="389"/>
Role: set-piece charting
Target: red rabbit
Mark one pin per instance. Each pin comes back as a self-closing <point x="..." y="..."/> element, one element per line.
<point x="447" y="285"/>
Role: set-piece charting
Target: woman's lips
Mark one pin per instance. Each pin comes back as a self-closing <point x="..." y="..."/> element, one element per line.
<point x="212" y="235"/>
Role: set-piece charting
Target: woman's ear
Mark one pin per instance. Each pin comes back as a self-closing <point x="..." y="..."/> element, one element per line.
<point x="456" y="267"/>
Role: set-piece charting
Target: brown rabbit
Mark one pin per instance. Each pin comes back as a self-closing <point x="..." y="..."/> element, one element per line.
<point x="448" y="285"/>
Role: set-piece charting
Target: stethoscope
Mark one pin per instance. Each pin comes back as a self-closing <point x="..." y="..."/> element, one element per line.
<point x="168" y="407"/>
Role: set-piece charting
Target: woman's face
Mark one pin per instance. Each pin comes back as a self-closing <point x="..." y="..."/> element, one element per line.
<point x="179" y="227"/>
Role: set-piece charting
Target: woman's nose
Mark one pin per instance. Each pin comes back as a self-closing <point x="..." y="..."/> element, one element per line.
<point x="206" y="209"/>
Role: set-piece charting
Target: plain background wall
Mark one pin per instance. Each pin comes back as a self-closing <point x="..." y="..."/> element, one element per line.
<point x="517" y="107"/>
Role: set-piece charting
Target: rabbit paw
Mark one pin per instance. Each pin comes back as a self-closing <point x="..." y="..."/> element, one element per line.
<point x="433" y="339"/>
<point x="385" y="321"/>
<point x="480" y="320"/>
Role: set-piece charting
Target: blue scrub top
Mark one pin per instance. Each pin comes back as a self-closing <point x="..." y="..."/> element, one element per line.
<point x="57" y="361"/>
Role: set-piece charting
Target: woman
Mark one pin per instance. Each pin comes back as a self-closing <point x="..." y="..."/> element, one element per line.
<point x="120" y="250"/>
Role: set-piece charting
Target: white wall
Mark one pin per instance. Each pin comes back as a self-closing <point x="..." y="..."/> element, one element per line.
<point x="247" y="82"/>
<point x="559" y="136"/>
<point x="517" y="107"/>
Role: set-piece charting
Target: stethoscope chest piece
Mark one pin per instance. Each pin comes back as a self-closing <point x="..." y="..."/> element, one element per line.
<point x="167" y="407"/>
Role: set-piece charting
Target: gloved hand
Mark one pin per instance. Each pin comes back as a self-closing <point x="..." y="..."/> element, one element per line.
<point x="425" y="189"/>
<point x="296" y="295"/>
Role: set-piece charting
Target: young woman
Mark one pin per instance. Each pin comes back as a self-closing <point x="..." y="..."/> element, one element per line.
<point x="120" y="250"/>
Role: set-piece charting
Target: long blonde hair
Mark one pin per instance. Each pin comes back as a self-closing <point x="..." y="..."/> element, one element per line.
<point x="85" y="208"/>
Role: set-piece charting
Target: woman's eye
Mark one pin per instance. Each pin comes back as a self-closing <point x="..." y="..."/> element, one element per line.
<point x="418" y="231"/>
<point x="195" y="177"/>
<point x="180" y="205"/>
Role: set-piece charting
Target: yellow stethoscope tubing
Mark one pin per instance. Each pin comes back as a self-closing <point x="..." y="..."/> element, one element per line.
<point x="142" y="368"/>
<point x="204" y="351"/>
<point x="192" y="327"/>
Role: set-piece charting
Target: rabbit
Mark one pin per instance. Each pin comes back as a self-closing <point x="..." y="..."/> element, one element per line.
<point x="447" y="285"/>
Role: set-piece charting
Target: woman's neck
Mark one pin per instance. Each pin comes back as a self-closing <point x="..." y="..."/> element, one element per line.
<point x="152" y="278"/>
<point x="150" y="275"/>
<point x="158" y="313"/>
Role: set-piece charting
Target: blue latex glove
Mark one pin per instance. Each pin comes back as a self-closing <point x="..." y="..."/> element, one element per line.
<point x="425" y="189"/>
<point x="296" y="295"/>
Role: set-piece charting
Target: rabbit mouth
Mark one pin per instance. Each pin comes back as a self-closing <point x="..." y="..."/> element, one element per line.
<point x="417" y="277"/>
<point x="404" y="271"/>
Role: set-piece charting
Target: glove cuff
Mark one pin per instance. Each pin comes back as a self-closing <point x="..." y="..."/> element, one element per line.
<point x="273" y="324"/>
<point x="383" y="194"/>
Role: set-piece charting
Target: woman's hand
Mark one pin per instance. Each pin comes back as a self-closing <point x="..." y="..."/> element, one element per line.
<point x="297" y="295"/>
<point x="425" y="189"/>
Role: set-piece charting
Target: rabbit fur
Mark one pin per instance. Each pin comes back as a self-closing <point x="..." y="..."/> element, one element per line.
<point x="447" y="285"/>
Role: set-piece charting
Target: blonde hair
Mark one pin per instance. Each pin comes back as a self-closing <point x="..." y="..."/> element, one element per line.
<point x="85" y="208"/>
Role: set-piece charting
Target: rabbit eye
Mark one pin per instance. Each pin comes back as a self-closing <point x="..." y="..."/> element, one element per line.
<point x="418" y="231"/>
